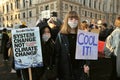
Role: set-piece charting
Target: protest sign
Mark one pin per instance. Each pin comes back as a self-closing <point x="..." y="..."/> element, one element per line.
<point x="87" y="45"/>
<point x="27" y="48"/>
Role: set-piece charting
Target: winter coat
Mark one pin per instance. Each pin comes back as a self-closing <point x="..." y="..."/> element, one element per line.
<point x="48" y="53"/>
<point x="116" y="46"/>
<point x="5" y="39"/>
<point x="63" y="60"/>
<point x="103" y="34"/>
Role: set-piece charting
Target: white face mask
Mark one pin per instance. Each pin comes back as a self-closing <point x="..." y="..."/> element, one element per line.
<point x="73" y="24"/>
<point x="46" y="37"/>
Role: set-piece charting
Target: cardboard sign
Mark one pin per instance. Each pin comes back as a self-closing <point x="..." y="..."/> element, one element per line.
<point x="27" y="48"/>
<point x="87" y="45"/>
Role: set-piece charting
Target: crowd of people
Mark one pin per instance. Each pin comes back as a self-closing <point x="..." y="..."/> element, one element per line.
<point x="58" y="43"/>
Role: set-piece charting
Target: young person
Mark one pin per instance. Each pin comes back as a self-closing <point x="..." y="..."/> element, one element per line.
<point x="68" y="68"/>
<point x="115" y="75"/>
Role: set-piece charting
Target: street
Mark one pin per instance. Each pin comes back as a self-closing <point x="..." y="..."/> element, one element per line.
<point x="100" y="69"/>
<point x="5" y="68"/>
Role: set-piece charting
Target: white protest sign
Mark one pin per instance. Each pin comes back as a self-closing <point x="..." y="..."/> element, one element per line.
<point x="27" y="48"/>
<point x="45" y="14"/>
<point x="87" y="45"/>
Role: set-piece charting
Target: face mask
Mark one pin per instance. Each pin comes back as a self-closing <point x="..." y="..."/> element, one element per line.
<point x="73" y="24"/>
<point x="46" y="37"/>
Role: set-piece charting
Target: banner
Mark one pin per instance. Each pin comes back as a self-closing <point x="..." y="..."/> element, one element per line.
<point x="27" y="48"/>
<point x="87" y="45"/>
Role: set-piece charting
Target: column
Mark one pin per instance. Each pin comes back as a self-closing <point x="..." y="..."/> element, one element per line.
<point x="59" y="8"/>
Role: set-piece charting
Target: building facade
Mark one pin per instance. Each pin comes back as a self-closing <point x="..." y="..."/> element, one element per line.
<point x="14" y="12"/>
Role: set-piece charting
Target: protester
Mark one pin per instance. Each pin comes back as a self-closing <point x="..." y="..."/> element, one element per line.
<point x="4" y="49"/>
<point x="103" y="32"/>
<point x="10" y="54"/>
<point x="115" y="43"/>
<point x="68" y="67"/>
<point x="48" y="53"/>
<point x="47" y="45"/>
<point x="22" y="74"/>
<point x="85" y="26"/>
<point x="110" y="29"/>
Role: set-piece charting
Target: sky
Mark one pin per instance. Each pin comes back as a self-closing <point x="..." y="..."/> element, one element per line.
<point x="3" y="1"/>
<point x="0" y="1"/>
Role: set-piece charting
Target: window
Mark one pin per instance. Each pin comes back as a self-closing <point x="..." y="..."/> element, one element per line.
<point x="6" y="17"/>
<point x="90" y="3"/>
<point x="41" y="8"/>
<point x="23" y="3"/>
<point x="24" y="15"/>
<point x="7" y="25"/>
<point x="85" y="13"/>
<point x="95" y="4"/>
<point x="30" y="2"/>
<point x="99" y="5"/>
<point x="71" y="7"/>
<point x="17" y="4"/>
<point x="46" y="7"/>
<point x="12" y="25"/>
<point x="91" y="14"/>
<point x="100" y="16"/>
<point x="11" y="17"/>
<point x="95" y="16"/>
<point x="66" y="6"/>
<point x="52" y="6"/>
<point x="75" y="8"/>
<point x="3" y="19"/>
<point x="84" y="2"/>
<point x="11" y="6"/>
<point x="3" y="9"/>
<point x="18" y="16"/>
<point x="104" y="7"/>
<point x="7" y="8"/>
<point x="3" y="25"/>
<point x="30" y="13"/>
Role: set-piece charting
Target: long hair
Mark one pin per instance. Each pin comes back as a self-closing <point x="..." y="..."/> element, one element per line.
<point x="65" y="29"/>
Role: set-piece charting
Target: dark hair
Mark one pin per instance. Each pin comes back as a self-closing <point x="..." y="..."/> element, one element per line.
<point x="22" y="26"/>
<point x="42" y="28"/>
<point x="54" y="14"/>
<point x="119" y="18"/>
<point x="4" y="30"/>
<point x="104" y="24"/>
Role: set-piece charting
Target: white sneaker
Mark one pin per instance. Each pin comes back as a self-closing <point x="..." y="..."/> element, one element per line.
<point x="13" y="71"/>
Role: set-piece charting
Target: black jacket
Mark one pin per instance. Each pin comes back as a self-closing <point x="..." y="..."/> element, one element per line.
<point x="63" y="61"/>
<point x="5" y="39"/>
<point x="48" y="53"/>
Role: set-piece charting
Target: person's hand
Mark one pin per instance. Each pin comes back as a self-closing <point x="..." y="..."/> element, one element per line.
<point x="51" y="23"/>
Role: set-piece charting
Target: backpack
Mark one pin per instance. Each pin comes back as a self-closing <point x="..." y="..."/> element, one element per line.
<point x="108" y="50"/>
